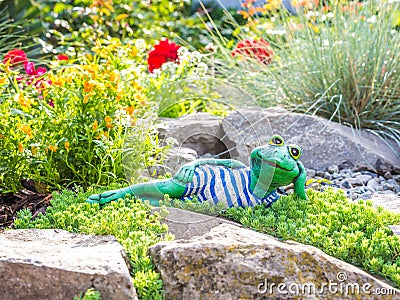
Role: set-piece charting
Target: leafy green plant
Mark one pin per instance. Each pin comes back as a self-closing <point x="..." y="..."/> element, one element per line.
<point x="68" y="125"/>
<point x="90" y="294"/>
<point x="130" y="221"/>
<point x="354" y="232"/>
<point x="194" y="205"/>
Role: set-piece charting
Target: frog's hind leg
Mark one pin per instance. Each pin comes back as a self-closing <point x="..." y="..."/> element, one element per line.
<point x="153" y="191"/>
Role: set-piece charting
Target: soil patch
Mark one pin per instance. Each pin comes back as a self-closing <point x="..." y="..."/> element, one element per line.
<point x="11" y="203"/>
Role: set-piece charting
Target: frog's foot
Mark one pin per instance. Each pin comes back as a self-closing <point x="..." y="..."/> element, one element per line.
<point x="104" y="198"/>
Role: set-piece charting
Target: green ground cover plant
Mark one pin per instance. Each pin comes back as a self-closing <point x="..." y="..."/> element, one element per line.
<point x="90" y="294"/>
<point x="130" y="221"/>
<point x="354" y="232"/>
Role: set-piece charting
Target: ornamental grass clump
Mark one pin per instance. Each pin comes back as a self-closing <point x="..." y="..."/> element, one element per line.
<point x="354" y="232"/>
<point x="341" y="62"/>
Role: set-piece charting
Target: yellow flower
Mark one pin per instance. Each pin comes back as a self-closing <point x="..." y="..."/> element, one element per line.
<point x="25" y="102"/>
<point x="134" y="51"/>
<point x="121" y="17"/>
<point x="95" y="125"/>
<point x="34" y="150"/>
<point x="273" y="4"/>
<point x="66" y="145"/>
<point x="3" y="80"/>
<point x="27" y="130"/>
<point x="57" y="80"/>
<point x="20" y="147"/>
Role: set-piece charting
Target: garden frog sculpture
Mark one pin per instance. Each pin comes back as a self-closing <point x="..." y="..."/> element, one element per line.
<point x="226" y="180"/>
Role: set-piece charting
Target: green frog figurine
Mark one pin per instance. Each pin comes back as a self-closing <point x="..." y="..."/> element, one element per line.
<point x="226" y="180"/>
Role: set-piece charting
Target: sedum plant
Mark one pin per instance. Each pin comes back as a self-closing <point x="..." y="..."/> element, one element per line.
<point x="130" y="221"/>
<point x="354" y="232"/>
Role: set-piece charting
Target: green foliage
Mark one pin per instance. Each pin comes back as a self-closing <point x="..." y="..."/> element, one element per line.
<point x="73" y="130"/>
<point x="90" y="294"/>
<point x="130" y="221"/>
<point x="351" y="231"/>
<point x="341" y="64"/>
<point x="14" y="30"/>
<point x="79" y="23"/>
<point x="194" y="205"/>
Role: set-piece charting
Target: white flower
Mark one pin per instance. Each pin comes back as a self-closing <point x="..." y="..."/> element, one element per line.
<point x="140" y="45"/>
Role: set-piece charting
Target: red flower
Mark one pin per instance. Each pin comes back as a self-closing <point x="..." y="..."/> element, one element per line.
<point x="164" y="51"/>
<point x="15" y="57"/>
<point x="35" y="73"/>
<point x="259" y="50"/>
<point x="62" y="57"/>
<point x="30" y="70"/>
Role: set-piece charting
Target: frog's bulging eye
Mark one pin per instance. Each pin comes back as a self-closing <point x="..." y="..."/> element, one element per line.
<point x="295" y="152"/>
<point x="276" y="140"/>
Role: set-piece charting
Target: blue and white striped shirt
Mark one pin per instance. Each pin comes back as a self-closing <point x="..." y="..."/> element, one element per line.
<point x="223" y="184"/>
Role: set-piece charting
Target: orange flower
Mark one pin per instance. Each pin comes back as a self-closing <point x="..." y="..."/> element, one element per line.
<point x="88" y="86"/>
<point x="108" y="121"/>
<point x="86" y="98"/>
<point x="27" y="130"/>
<point x="115" y="76"/>
<point x="130" y="110"/>
<point x="103" y="3"/>
<point x="66" y="145"/>
<point x="53" y="148"/>
<point x="20" y="147"/>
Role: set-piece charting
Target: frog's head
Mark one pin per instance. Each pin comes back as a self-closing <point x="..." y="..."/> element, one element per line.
<point x="275" y="165"/>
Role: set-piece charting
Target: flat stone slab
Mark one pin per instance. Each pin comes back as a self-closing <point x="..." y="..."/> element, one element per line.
<point x="185" y="224"/>
<point x="55" y="264"/>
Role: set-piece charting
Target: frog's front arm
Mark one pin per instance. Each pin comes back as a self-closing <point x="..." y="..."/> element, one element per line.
<point x="186" y="172"/>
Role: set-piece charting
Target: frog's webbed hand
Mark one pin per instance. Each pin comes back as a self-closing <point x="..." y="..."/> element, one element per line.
<point x="185" y="173"/>
<point x="105" y="197"/>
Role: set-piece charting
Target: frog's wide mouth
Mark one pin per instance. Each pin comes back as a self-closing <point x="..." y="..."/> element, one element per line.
<point x="273" y="163"/>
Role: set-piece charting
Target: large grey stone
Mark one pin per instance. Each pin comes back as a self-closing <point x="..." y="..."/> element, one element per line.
<point x="55" y="264"/>
<point x="323" y="142"/>
<point x="387" y="201"/>
<point x="175" y="158"/>
<point x="201" y="132"/>
<point x="236" y="263"/>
